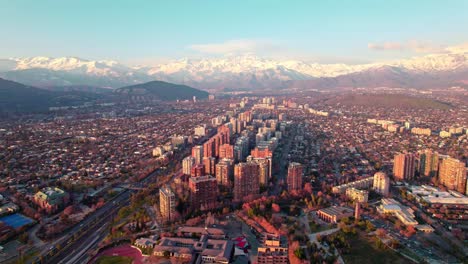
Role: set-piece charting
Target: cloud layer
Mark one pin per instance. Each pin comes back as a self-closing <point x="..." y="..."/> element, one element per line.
<point x="236" y="46"/>
<point x="413" y="46"/>
<point x="385" y="46"/>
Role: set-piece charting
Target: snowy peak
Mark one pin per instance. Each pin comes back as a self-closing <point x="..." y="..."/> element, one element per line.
<point x="435" y="62"/>
<point x="248" y="71"/>
<point x="72" y="64"/>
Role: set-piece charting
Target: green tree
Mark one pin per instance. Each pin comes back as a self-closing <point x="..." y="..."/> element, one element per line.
<point x="299" y="253"/>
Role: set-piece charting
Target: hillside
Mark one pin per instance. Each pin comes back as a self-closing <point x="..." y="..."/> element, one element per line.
<point x="79" y="88"/>
<point x="161" y="91"/>
<point x="16" y="97"/>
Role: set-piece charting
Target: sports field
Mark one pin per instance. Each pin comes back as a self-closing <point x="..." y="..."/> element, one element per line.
<point x="16" y="220"/>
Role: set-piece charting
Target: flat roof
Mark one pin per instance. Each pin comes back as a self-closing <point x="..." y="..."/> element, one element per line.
<point x="336" y="210"/>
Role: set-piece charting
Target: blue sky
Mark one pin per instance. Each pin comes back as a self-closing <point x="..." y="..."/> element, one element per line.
<point x="149" y="32"/>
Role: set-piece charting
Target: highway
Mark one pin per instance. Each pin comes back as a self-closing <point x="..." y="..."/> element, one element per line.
<point x="74" y="240"/>
<point x="79" y="255"/>
<point x="72" y="247"/>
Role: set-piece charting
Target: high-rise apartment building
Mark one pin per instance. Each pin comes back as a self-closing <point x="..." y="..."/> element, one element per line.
<point x="428" y="163"/>
<point x="203" y="192"/>
<point x="246" y="180"/>
<point x="264" y="169"/>
<point x="197" y="153"/>
<point x="404" y="166"/>
<point x="452" y="174"/>
<point x="226" y="151"/>
<point x="381" y="183"/>
<point x="225" y="172"/>
<point x="261" y="153"/>
<point x="240" y="125"/>
<point x="197" y="170"/>
<point x="167" y="203"/>
<point x="294" y="178"/>
<point x="209" y="148"/>
<point x="241" y="149"/>
<point x="224" y="132"/>
<point x="209" y="163"/>
<point x="187" y="164"/>
<point x="245" y="116"/>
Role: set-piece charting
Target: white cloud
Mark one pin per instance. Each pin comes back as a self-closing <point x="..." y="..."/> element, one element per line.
<point x="236" y="46"/>
<point x="385" y="46"/>
<point x="463" y="48"/>
<point x="412" y="45"/>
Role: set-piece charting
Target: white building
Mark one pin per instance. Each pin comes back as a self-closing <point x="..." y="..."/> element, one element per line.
<point x="381" y="183"/>
<point x="361" y="184"/>
<point x="403" y="213"/>
<point x="158" y="151"/>
<point x="187" y="164"/>
<point x="200" y="131"/>
<point x="354" y="194"/>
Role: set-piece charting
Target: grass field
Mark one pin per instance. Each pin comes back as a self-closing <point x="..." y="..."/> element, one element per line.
<point x="113" y="260"/>
<point x="364" y="251"/>
<point x="315" y="228"/>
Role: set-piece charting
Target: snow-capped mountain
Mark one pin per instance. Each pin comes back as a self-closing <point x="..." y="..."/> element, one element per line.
<point x="435" y="62"/>
<point x="253" y="64"/>
<point x="72" y="64"/>
<point x="65" y="71"/>
<point x="232" y="72"/>
<point x="246" y="71"/>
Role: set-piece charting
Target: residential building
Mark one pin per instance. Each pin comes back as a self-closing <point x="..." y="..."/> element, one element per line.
<point x="187" y="164"/>
<point x="209" y="163"/>
<point x="264" y="170"/>
<point x="203" y="192"/>
<point x="261" y="153"/>
<point x="246" y="180"/>
<point x="404" y="166"/>
<point x="421" y="131"/>
<point x="197" y="153"/>
<point x="167" y="203"/>
<point x="225" y="172"/>
<point x="200" y="131"/>
<point x="226" y="151"/>
<point x="452" y="174"/>
<point x="158" y="151"/>
<point x="428" y="163"/>
<point x="361" y="184"/>
<point x="197" y="170"/>
<point x="360" y="196"/>
<point x="294" y="178"/>
<point x="381" y="183"/>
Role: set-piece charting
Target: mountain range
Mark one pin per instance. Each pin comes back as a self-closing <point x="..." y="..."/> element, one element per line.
<point x="438" y="70"/>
